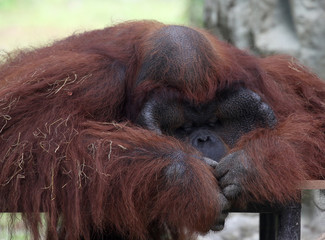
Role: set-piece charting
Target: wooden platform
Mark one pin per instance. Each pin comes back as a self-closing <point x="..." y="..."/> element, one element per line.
<point x="313" y="184"/>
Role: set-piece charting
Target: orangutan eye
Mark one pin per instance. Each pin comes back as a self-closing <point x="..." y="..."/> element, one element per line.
<point x="213" y="122"/>
<point x="188" y="127"/>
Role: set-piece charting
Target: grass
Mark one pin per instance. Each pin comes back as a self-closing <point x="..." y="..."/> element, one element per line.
<point x="26" y="23"/>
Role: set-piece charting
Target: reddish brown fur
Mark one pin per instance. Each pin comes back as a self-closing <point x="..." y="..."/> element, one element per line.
<point x="68" y="147"/>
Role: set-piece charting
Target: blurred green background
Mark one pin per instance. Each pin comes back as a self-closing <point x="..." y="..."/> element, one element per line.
<point x="25" y="23"/>
<point x="31" y="23"/>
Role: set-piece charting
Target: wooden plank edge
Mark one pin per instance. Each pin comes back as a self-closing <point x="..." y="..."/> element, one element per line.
<point x="312" y="184"/>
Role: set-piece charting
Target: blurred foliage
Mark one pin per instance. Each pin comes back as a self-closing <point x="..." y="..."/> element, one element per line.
<point x="94" y="13"/>
<point x="34" y="22"/>
<point x="7" y="220"/>
<point x="195" y="12"/>
<point x="18" y="230"/>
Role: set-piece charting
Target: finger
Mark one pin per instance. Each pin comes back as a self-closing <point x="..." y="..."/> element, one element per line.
<point x="232" y="191"/>
<point x="224" y="204"/>
<point x="220" y="222"/>
<point x="218" y="227"/>
<point x="231" y="178"/>
<point x="224" y="207"/>
<point x="210" y="162"/>
<point x="220" y="171"/>
<point x="223" y="166"/>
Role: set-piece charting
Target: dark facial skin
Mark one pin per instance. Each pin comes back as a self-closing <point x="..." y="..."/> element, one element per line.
<point x="212" y="128"/>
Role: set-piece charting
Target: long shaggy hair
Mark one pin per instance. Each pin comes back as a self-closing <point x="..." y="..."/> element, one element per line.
<point x="69" y="146"/>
